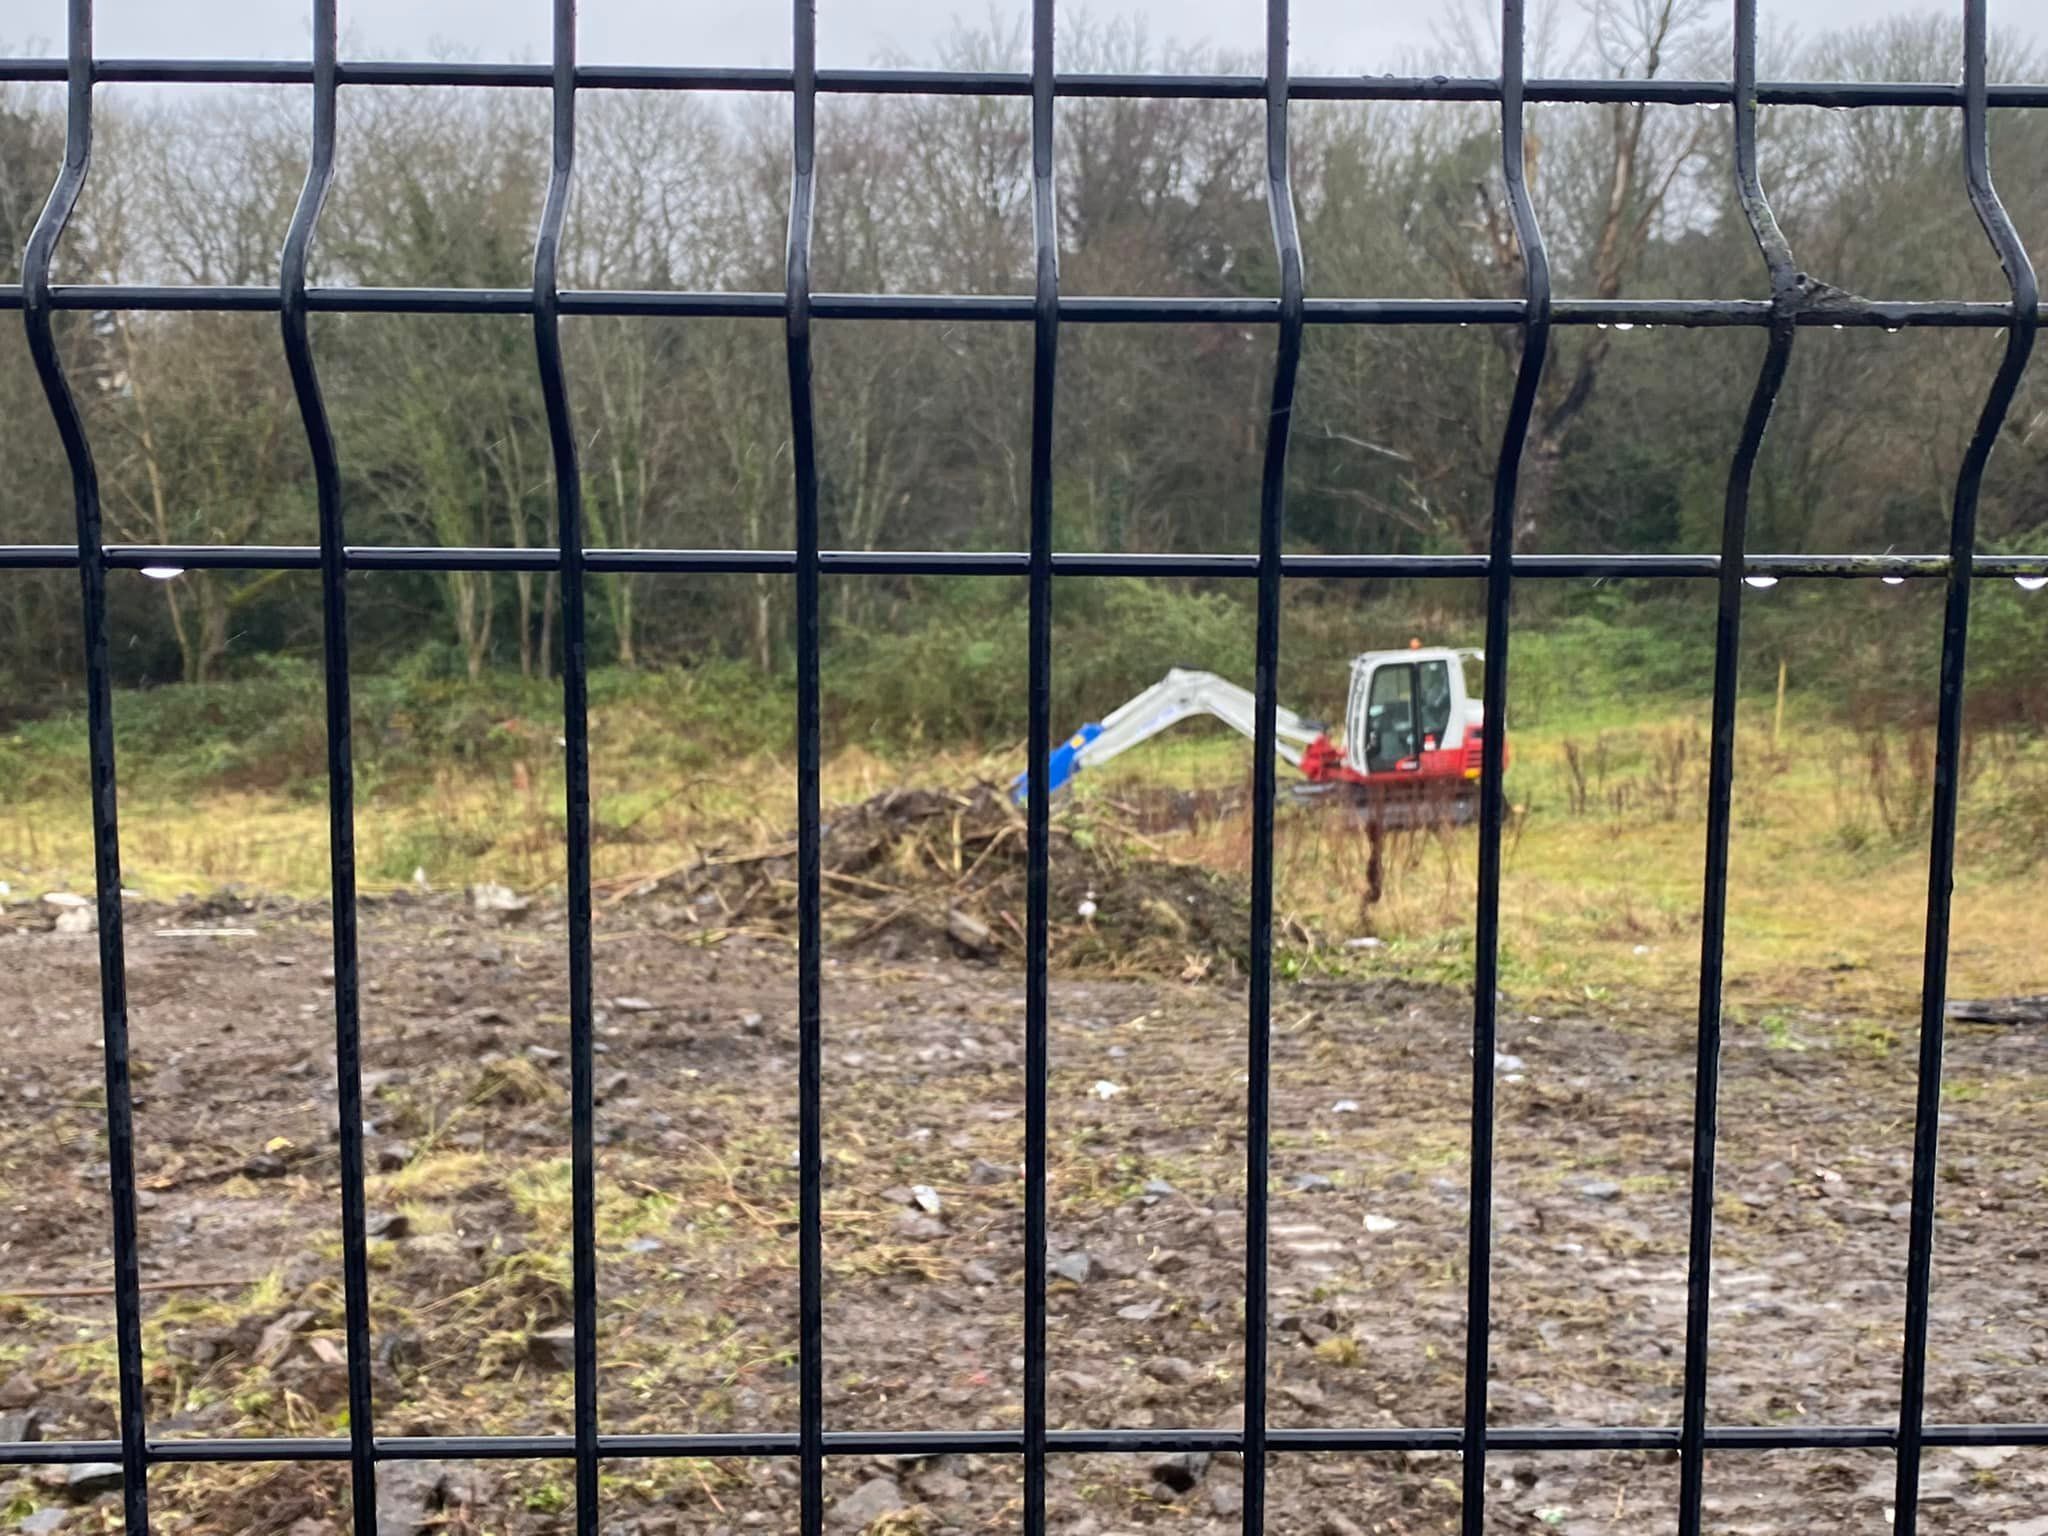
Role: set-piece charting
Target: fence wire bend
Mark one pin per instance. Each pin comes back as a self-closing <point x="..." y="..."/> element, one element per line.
<point x="1045" y="309"/>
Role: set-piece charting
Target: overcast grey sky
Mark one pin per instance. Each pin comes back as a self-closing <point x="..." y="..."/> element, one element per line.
<point x="1331" y="35"/>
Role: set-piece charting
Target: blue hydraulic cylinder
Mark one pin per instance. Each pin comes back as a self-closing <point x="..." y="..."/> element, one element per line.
<point x="1060" y="767"/>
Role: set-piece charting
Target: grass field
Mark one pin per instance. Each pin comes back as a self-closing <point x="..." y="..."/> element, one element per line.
<point x="1602" y="883"/>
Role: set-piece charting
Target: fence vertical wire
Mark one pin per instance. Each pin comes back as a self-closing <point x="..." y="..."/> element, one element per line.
<point x="341" y="793"/>
<point x="547" y="336"/>
<point x="1038" y="810"/>
<point x="1493" y="762"/>
<point x="1265" y="772"/>
<point x="38" y="316"/>
<point x="1785" y="292"/>
<point x="1948" y="751"/>
<point x="810" y="877"/>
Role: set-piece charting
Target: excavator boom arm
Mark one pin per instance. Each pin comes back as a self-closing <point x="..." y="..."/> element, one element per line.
<point x="1174" y="698"/>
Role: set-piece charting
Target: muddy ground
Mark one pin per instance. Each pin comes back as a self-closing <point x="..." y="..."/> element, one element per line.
<point x="464" y="1034"/>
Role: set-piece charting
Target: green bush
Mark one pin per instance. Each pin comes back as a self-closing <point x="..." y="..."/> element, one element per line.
<point x="961" y="674"/>
<point x="951" y="671"/>
<point x="1599" y="661"/>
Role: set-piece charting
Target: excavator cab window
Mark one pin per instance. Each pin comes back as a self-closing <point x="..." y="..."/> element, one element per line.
<point x="1390" y="718"/>
<point x="1433" y="700"/>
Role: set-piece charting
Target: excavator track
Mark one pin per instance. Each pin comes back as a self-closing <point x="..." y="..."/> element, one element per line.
<point x="1425" y="805"/>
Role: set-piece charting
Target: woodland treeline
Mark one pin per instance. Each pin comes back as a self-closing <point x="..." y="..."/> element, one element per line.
<point x="683" y="423"/>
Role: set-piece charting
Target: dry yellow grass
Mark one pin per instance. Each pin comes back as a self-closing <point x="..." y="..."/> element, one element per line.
<point x="1601" y="889"/>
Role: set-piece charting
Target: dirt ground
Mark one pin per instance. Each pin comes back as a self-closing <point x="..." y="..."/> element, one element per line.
<point x="465" y="1035"/>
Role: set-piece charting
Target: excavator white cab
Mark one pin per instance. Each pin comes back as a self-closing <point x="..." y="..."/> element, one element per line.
<point x="1408" y="704"/>
<point x="1410" y="726"/>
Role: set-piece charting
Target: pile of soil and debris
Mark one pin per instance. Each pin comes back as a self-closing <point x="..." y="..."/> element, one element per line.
<point x="912" y="872"/>
<point x="931" y="871"/>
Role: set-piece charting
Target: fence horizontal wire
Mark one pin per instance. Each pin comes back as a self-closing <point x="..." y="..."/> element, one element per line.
<point x="925" y="562"/>
<point x="998" y="1442"/>
<point x="1844" y="313"/>
<point x="941" y="82"/>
